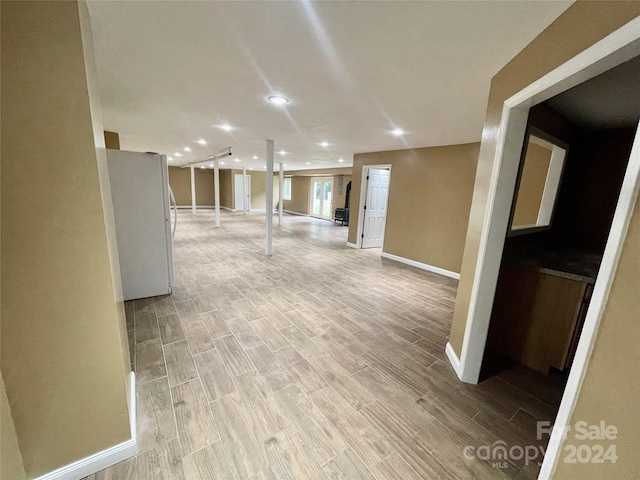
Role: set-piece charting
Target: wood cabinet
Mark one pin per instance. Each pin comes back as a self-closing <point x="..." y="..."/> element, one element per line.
<point x="537" y="317"/>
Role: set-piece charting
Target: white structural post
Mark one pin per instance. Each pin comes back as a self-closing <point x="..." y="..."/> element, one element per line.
<point x="280" y="193"/>
<point x="216" y="190"/>
<point x="269" y="200"/>
<point x="193" y="190"/>
<point x="245" y="194"/>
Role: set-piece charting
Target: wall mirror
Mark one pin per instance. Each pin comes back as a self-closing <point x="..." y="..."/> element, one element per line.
<point x="538" y="183"/>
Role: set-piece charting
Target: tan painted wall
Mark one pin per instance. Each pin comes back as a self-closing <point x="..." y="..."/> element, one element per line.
<point x="299" y="195"/>
<point x="180" y="181"/>
<point x="226" y="189"/>
<point x="579" y="27"/>
<point x="112" y="140"/>
<point x="321" y="172"/>
<point x="63" y="355"/>
<point x="11" y="467"/>
<point x="534" y="176"/>
<point x="429" y="201"/>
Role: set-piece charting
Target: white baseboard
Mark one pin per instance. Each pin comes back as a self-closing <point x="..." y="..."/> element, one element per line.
<point x="101" y="460"/>
<point x="295" y="213"/>
<point x="352" y="245"/>
<point x="188" y="207"/>
<point x="226" y="208"/>
<point x="453" y="359"/>
<point x="423" y="266"/>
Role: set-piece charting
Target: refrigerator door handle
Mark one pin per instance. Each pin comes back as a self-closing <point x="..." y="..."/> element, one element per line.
<point x="174" y="207"/>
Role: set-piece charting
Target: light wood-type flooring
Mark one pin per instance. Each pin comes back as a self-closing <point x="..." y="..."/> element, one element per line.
<point x="321" y="362"/>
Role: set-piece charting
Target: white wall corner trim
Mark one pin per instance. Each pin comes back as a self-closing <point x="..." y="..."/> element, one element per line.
<point x="453" y="359"/>
<point x="101" y="460"/>
<point x="423" y="266"/>
<point x="352" y="245"/>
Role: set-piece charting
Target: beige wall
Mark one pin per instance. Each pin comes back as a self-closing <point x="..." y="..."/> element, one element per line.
<point x="429" y="201"/>
<point x="11" y="467"/>
<point x="610" y="389"/>
<point x="299" y="195"/>
<point x="579" y="27"/>
<point x="180" y="181"/>
<point x="112" y="140"/>
<point x="226" y="189"/>
<point x="531" y="188"/>
<point x="64" y="353"/>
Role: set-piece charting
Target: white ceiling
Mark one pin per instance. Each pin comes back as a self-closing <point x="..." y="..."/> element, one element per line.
<point x="171" y="72"/>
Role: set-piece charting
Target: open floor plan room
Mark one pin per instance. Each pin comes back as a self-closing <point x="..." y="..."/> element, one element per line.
<point x="319" y="362"/>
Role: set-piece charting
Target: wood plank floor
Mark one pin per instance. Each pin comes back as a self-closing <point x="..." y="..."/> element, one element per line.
<point x="319" y="362"/>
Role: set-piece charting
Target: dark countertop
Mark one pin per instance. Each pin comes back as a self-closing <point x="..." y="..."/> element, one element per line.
<point x="568" y="263"/>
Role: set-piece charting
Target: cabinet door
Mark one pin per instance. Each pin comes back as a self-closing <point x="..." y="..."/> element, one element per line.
<point x="534" y="317"/>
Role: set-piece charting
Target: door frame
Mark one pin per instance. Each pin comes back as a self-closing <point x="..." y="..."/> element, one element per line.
<point x="363" y="198"/>
<point x="615" y="49"/>
<point x="246" y="193"/>
<point x="311" y="197"/>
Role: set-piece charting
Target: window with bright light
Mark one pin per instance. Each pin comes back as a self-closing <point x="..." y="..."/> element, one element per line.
<point x="286" y="192"/>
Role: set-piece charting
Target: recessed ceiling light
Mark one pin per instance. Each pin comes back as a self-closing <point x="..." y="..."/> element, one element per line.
<point x="187" y="149"/>
<point x="278" y="100"/>
<point x="169" y="158"/>
<point x="341" y="160"/>
<point x="177" y="154"/>
<point x="211" y="164"/>
<point x="308" y="163"/>
<point x="324" y="144"/>
<point x="254" y="157"/>
<point x="202" y="141"/>
<point x="250" y="168"/>
<point x="282" y="152"/>
<point x="237" y="159"/>
<point x="398" y="132"/>
<point x="226" y="127"/>
<point x="221" y="163"/>
<point x="202" y="166"/>
<point x="284" y="164"/>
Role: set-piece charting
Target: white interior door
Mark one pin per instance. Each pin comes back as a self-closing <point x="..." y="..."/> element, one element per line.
<point x="375" y="208"/>
<point x="242" y="196"/>
<point x="321" y="197"/>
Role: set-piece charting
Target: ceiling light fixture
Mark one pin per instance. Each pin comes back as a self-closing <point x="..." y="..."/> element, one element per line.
<point x="169" y="158"/>
<point x="237" y="159"/>
<point x="211" y="164"/>
<point x="202" y="166"/>
<point x="221" y="163"/>
<point x="282" y="152"/>
<point x="187" y="149"/>
<point x="398" y="132"/>
<point x="324" y="144"/>
<point x="341" y="160"/>
<point x="250" y="168"/>
<point x="202" y="141"/>
<point x="254" y="157"/>
<point x="177" y="154"/>
<point x="308" y="163"/>
<point x="226" y="127"/>
<point x="278" y="100"/>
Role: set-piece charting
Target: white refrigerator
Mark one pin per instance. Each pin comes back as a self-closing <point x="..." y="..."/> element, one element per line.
<point x="140" y="194"/>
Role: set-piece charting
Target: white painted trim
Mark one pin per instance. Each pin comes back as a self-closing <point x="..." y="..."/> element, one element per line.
<point x="101" y="460"/>
<point x="324" y="179"/>
<point x="226" y="208"/>
<point x="551" y="186"/>
<point x="197" y="206"/>
<point x="453" y="358"/>
<point x="363" y="198"/>
<point x="296" y="213"/>
<point x="352" y="245"/>
<point x="423" y="266"/>
<point x="601" y="289"/>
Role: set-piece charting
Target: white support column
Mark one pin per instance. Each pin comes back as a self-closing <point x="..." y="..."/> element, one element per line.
<point x="245" y="194"/>
<point x="216" y="190"/>
<point x="269" y="199"/>
<point x="280" y="193"/>
<point x="193" y="190"/>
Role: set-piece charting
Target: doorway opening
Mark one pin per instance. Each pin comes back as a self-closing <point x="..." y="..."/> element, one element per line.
<point x="374" y="196"/>
<point x="321" y="197"/>
<point x="613" y="51"/>
<point x="242" y="192"/>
